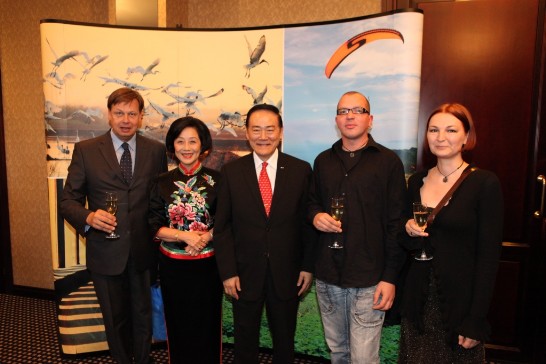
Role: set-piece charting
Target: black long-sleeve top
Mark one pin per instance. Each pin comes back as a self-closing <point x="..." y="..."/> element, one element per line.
<point x="465" y="238"/>
<point x="374" y="187"/>
<point x="184" y="202"/>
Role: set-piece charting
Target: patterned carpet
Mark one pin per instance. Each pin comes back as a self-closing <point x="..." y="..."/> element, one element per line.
<point x="28" y="335"/>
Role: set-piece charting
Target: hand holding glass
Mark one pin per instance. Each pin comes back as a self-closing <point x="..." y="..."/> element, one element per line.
<point x="420" y="215"/>
<point x="336" y="211"/>
<point x="111" y="208"/>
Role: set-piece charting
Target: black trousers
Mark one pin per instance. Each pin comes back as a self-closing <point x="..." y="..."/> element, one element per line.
<point x="125" y="302"/>
<point x="281" y="317"/>
<point x="192" y="298"/>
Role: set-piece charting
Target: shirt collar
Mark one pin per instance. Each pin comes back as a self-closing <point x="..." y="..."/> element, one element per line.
<point x="272" y="161"/>
<point x="118" y="142"/>
<point x="338" y="145"/>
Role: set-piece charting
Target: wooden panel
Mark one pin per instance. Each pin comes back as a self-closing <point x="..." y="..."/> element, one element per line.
<point x="538" y="225"/>
<point x="6" y="276"/>
<point x="472" y="56"/>
<point x="484" y="54"/>
<point x="503" y="312"/>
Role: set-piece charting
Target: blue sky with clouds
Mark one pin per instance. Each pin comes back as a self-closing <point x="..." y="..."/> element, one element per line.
<point x="387" y="71"/>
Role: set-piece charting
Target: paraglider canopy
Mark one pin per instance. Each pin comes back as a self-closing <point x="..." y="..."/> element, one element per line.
<point x="356" y="42"/>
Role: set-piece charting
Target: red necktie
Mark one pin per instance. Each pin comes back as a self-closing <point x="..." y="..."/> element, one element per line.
<point x="265" y="188"/>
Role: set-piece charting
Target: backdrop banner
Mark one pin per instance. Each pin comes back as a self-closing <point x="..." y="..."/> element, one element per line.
<point x="217" y="75"/>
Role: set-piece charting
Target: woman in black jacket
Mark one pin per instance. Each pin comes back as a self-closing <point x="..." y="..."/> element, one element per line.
<point x="446" y="299"/>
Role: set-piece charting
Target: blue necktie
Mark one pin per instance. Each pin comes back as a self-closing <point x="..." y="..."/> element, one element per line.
<point x="126" y="164"/>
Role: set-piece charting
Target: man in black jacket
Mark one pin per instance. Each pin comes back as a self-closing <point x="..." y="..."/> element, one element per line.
<point x="355" y="284"/>
<point x="264" y="247"/>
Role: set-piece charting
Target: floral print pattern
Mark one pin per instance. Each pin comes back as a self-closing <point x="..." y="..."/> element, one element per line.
<point x="189" y="209"/>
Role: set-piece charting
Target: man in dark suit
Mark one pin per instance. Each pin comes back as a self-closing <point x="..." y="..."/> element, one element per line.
<point x="264" y="247"/>
<point x="126" y="163"/>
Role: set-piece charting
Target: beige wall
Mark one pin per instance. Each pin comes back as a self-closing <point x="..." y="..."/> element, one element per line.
<point x="23" y="102"/>
<point x="249" y="13"/>
<point x="20" y="62"/>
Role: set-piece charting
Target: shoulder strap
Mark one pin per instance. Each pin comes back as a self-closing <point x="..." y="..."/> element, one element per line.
<point x="448" y="195"/>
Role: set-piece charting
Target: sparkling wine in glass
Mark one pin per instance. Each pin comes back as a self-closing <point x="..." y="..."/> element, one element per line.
<point x="112" y="208"/>
<point x="420" y="215"/>
<point x="336" y="211"/>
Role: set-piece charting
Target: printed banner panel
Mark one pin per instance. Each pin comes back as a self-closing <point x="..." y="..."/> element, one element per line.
<point x="216" y="76"/>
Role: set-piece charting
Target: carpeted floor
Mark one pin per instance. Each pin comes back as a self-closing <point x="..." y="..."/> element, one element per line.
<point x="28" y="335"/>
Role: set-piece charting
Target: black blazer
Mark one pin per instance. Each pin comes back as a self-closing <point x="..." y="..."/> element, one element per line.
<point x="246" y="241"/>
<point x="94" y="170"/>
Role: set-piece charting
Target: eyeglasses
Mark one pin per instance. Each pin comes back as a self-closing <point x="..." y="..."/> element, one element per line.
<point x="120" y="114"/>
<point x="355" y="110"/>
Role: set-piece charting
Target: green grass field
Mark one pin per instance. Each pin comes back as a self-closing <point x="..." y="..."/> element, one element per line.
<point x="309" y="332"/>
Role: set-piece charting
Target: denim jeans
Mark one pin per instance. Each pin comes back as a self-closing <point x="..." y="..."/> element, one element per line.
<point x="351" y="327"/>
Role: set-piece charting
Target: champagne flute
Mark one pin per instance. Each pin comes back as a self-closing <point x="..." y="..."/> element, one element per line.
<point x="420" y="215"/>
<point x="112" y="208"/>
<point x="336" y="211"/>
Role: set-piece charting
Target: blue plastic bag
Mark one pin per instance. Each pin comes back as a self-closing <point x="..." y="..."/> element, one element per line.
<point x="159" y="332"/>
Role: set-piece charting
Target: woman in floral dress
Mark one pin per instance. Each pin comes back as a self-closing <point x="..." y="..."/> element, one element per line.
<point x="182" y="208"/>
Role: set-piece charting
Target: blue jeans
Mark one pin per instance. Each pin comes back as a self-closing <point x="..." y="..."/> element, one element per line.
<point x="351" y="327"/>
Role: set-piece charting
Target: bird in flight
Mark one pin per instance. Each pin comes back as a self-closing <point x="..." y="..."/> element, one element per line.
<point x="119" y="81"/>
<point x="91" y="63"/>
<point x="60" y="60"/>
<point x="59" y="80"/>
<point x="255" y="55"/>
<point x="82" y="116"/>
<point x="144" y="72"/>
<point x="190" y="99"/>
<point x="257" y="98"/>
<point x="166" y="114"/>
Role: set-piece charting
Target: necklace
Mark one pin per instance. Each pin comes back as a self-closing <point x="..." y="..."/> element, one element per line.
<point x="447" y="175"/>
<point x="352" y="152"/>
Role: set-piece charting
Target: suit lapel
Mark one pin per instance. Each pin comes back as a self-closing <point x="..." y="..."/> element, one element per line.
<point x="109" y="154"/>
<point x="138" y="160"/>
<point x="281" y="181"/>
<point x="252" y="181"/>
